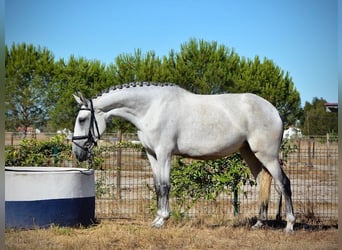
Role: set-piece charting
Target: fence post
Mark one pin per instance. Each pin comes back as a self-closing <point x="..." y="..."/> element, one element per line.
<point x="328" y="149"/>
<point x="118" y="169"/>
<point x="313" y="148"/>
<point x="236" y="202"/>
<point x="298" y="151"/>
<point x="55" y="155"/>
<point x="309" y="153"/>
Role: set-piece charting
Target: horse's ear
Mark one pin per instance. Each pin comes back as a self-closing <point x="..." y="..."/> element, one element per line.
<point x="78" y="99"/>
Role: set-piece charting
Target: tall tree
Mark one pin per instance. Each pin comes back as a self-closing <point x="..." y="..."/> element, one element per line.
<point x="75" y="75"/>
<point x="208" y="68"/>
<point x="316" y="120"/>
<point x="202" y="67"/>
<point x="136" y="67"/>
<point x="29" y="74"/>
<point x="39" y="89"/>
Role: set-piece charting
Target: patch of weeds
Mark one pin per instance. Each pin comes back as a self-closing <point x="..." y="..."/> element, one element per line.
<point x="66" y="231"/>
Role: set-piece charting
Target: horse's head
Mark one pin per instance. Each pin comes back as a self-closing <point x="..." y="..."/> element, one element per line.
<point x="89" y="125"/>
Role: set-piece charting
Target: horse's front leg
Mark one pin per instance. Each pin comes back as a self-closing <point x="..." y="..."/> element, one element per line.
<point x="161" y="173"/>
<point x="163" y="212"/>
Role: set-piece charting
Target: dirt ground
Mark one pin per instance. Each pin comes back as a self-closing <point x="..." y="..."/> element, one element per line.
<point x="124" y="234"/>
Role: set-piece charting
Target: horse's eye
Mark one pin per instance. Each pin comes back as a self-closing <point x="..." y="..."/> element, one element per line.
<point x="82" y="119"/>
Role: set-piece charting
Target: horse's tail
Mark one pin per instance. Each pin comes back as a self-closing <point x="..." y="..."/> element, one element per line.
<point x="265" y="189"/>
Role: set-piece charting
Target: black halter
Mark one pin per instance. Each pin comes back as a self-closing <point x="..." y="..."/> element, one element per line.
<point x="92" y="139"/>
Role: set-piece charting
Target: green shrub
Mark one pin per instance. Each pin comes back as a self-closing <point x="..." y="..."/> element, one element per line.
<point x="207" y="179"/>
<point x="31" y="152"/>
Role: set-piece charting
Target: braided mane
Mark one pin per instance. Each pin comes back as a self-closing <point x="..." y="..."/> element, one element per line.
<point x="133" y="85"/>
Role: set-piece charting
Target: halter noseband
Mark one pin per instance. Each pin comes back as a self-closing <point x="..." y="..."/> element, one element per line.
<point x="92" y="139"/>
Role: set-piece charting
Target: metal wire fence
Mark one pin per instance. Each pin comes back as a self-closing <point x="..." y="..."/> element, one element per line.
<point x="124" y="187"/>
<point x="124" y="184"/>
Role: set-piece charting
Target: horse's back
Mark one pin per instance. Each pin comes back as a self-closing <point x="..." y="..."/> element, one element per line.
<point x="246" y="110"/>
<point x="217" y="125"/>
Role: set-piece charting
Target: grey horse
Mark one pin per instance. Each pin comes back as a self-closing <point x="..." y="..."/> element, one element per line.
<point x="173" y="121"/>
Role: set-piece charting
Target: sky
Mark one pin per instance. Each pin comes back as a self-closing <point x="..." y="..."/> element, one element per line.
<point x="300" y="36"/>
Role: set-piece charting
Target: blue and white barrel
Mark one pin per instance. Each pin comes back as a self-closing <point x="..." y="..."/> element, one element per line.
<point x="42" y="196"/>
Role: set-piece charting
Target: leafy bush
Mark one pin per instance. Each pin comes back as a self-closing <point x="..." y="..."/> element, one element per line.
<point x="287" y="148"/>
<point x="32" y="152"/>
<point x="207" y="179"/>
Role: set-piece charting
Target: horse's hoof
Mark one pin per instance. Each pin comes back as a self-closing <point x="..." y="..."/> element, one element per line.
<point x="289" y="228"/>
<point x="258" y="225"/>
<point x="290" y="223"/>
<point x="158" y="222"/>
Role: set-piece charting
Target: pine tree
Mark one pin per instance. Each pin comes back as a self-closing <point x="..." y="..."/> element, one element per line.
<point x="29" y="74"/>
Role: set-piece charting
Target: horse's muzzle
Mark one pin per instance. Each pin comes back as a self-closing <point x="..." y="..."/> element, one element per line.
<point x="80" y="153"/>
<point x="83" y="156"/>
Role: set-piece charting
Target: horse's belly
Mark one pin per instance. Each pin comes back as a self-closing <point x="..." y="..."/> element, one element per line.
<point x="209" y="147"/>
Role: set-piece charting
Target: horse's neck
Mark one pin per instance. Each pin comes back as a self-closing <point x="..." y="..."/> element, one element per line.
<point x="129" y="104"/>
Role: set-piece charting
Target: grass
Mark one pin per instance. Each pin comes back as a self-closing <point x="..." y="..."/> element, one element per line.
<point x="193" y="234"/>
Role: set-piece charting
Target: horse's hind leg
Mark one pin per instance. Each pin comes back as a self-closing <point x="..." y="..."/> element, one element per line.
<point x="278" y="216"/>
<point x="264" y="180"/>
<point x="272" y="164"/>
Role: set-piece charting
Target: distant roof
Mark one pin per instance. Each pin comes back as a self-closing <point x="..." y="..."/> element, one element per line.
<point x="331" y="106"/>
